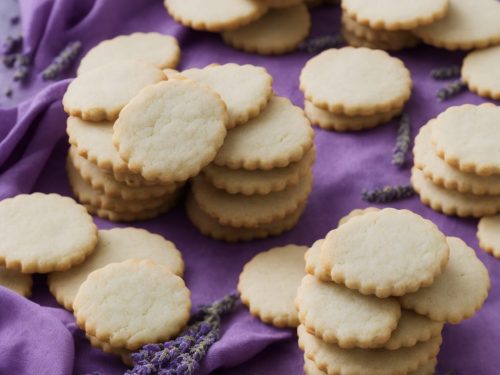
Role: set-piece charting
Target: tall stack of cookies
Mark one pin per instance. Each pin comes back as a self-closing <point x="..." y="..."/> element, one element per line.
<point x="351" y="89"/>
<point x="457" y="161"/>
<point x="378" y="291"/>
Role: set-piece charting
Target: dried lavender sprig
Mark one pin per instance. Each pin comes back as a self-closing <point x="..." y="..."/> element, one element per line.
<point x="183" y="355"/>
<point x="12" y="44"/>
<point x="62" y="61"/>
<point x="388" y="194"/>
<point x="451" y="90"/>
<point x="402" y="141"/>
<point x="320" y="43"/>
<point x="446" y="72"/>
<point x="21" y="73"/>
<point x="8" y="60"/>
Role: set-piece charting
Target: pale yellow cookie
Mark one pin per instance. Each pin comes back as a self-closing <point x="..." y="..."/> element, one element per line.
<point x="114" y="246"/>
<point x="101" y="93"/>
<point x="268" y="284"/>
<point x="451" y="202"/>
<point x="278" y="32"/>
<point x="458" y="292"/>
<point x="467" y="24"/>
<point x="488" y="233"/>
<point x="16" y="281"/>
<point x="481" y="72"/>
<point x="387" y="253"/>
<point x="124" y="354"/>
<point x="171" y="143"/>
<point x="44" y="232"/>
<point x="341" y="123"/>
<point x="211" y="227"/>
<point x="242" y="181"/>
<point x="215" y="15"/>
<point x="238" y="210"/>
<point x="355" y="213"/>
<point x="132" y="303"/>
<point x="356" y="81"/>
<point x="341" y="316"/>
<point x="466" y="137"/>
<point x="246" y="89"/>
<point x="356" y="41"/>
<point x="160" y="50"/>
<point x="314" y="265"/>
<point x="280" y="135"/>
<point x="334" y="360"/>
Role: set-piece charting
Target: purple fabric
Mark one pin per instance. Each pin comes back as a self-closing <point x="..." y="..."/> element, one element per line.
<point x="40" y="338"/>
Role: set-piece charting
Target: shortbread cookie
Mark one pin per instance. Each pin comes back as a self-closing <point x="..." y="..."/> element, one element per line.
<point x="238" y="210"/>
<point x="334" y="360"/>
<point x="242" y="181"/>
<point x="356" y="81"/>
<point x="458" y="292"/>
<point x="481" y="72"/>
<point x="341" y="316"/>
<point x="451" y="202"/>
<point x="215" y="15"/>
<point x="440" y="173"/>
<point x="356" y="41"/>
<point x="281" y="3"/>
<point x="465" y="137"/>
<point x="98" y="179"/>
<point x="377" y="253"/>
<point x="355" y="213"/>
<point x="211" y="227"/>
<point x="124" y="354"/>
<point x="114" y="246"/>
<point x="246" y="89"/>
<point x="101" y="93"/>
<point x="157" y="304"/>
<point x="388" y="15"/>
<point x="280" y="135"/>
<point x="44" y="232"/>
<point x="314" y="265"/>
<point x="488" y="233"/>
<point x="341" y="123"/>
<point x="160" y="50"/>
<point x="173" y="142"/>
<point x="279" y="31"/>
<point x="468" y="24"/>
<point x="268" y="284"/>
<point x="16" y="281"/>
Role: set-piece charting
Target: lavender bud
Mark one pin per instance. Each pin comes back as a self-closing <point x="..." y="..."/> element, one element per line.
<point x="451" y="90"/>
<point x="388" y="194"/>
<point x="62" y="61"/>
<point x="8" y="92"/>
<point x="320" y="43"/>
<point x="402" y="146"/>
<point x="8" y="60"/>
<point x="446" y="72"/>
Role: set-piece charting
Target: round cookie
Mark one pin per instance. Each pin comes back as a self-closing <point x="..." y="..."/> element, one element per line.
<point x="314" y="265"/>
<point x="356" y="81"/>
<point x="355" y="41"/>
<point x="488" y="233"/>
<point x="160" y="50"/>
<point x="114" y="246"/>
<point x="466" y="138"/>
<point x="375" y="253"/>
<point x="101" y="93"/>
<point x="268" y="284"/>
<point x="44" y="232"/>
<point x="280" y="135"/>
<point x="481" y="72"/>
<point x="239" y="210"/>
<point x="242" y="181"/>
<point x="16" y="281"/>
<point x="132" y="303"/>
<point x="278" y="32"/>
<point x="467" y="24"/>
<point x="124" y="354"/>
<point x="391" y="15"/>
<point x="215" y="15"/>
<point x="171" y="143"/>
<point x="246" y="89"/>
<point x="355" y="213"/>
<point x="341" y="316"/>
<point x="458" y="292"/>
<point x="334" y="360"/>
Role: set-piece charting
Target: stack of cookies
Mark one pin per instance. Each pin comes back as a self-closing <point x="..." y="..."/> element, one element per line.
<point x="378" y="291"/>
<point x="457" y="161"/>
<point x="351" y="89"/>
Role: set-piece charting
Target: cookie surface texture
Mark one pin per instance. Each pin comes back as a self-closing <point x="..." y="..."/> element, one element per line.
<point x="481" y="72"/>
<point x="16" y="281"/>
<point x="488" y="233"/>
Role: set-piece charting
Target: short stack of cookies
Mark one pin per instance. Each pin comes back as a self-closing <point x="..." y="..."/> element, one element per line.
<point x="351" y="89"/>
<point x="457" y="161"/>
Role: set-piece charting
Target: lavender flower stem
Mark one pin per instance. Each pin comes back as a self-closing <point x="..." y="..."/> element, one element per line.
<point x="451" y="90"/>
<point x="388" y="194"/>
<point x="402" y="146"/>
<point x="62" y="61"/>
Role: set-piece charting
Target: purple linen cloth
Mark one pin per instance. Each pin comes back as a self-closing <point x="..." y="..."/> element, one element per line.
<point x="39" y="337"/>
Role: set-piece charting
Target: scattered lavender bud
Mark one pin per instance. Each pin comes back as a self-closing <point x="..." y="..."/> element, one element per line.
<point x="402" y="141"/>
<point x="320" y="43"/>
<point x="12" y="44"/>
<point x="23" y="59"/>
<point x="451" y="90"/>
<point x="446" y="72"/>
<point x="62" y="61"/>
<point x="21" y="73"/>
<point x="8" y="92"/>
<point x="8" y="60"/>
<point x="388" y="194"/>
<point x="14" y="20"/>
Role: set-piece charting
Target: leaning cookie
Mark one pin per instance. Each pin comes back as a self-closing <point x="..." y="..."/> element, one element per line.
<point x="488" y="233"/>
<point x="16" y="281"/>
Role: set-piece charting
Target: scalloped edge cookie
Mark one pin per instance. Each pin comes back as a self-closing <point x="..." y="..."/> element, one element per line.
<point x="488" y="234"/>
